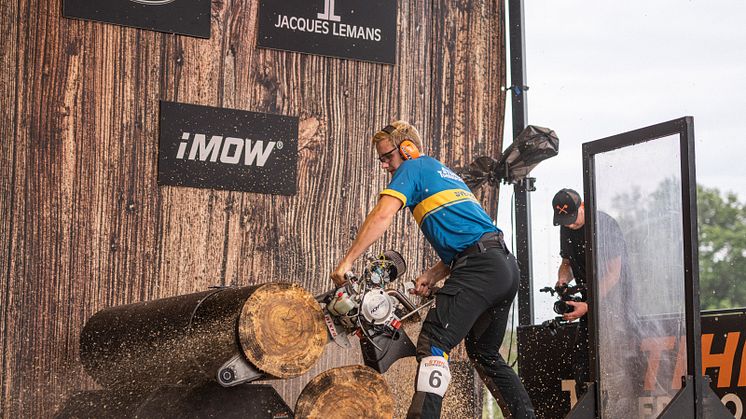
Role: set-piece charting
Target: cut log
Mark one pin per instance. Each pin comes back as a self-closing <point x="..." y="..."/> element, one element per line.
<point x="186" y="339"/>
<point x="353" y="392"/>
<point x="282" y="330"/>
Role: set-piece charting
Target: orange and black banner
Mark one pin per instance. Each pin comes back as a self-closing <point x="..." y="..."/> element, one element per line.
<point x="724" y="357"/>
<point x="546" y="364"/>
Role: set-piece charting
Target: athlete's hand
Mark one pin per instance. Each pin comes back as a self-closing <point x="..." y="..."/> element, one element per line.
<point x="424" y="284"/>
<point x="338" y="274"/>
<point x="580" y="309"/>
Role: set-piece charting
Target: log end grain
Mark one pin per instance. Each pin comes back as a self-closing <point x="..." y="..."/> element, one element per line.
<point x="282" y="330"/>
<point x="354" y="391"/>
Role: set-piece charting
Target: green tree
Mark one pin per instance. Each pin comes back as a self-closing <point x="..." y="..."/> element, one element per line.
<point x="722" y="249"/>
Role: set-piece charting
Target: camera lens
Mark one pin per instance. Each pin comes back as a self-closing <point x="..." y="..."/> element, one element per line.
<point x="561" y="307"/>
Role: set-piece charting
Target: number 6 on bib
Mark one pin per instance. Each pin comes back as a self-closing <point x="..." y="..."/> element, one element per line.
<point x="433" y="375"/>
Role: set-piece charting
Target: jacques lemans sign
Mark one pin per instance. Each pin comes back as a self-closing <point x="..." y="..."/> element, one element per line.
<point x="356" y="29"/>
<point x="218" y="148"/>
<point x="186" y="17"/>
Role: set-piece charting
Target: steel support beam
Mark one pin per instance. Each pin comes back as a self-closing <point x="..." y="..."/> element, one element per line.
<point x="522" y="204"/>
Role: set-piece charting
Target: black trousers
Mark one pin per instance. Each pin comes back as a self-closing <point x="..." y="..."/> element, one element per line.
<point x="474" y="304"/>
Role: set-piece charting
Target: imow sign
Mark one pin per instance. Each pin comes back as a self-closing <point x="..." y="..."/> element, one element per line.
<point x="218" y="148"/>
<point x="356" y="29"/>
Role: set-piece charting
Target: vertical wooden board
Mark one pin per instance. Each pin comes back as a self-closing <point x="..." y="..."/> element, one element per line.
<point x="113" y="186"/>
<point x="194" y="220"/>
<point x="105" y="120"/>
<point x="131" y="194"/>
<point x="138" y="200"/>
<point x="193" y="239"/>
<point x="259" y="247"/>
<point x="8" y="83"/>
<point x="34" y="238"/>
<point x="469" y="52"/>
<point x="413" y="91"/>
<point x="9" y="165"/>
<point x="95" y="50"/>
<point x="109" y="149"/>
<point x="44" y="290"/>
<point x="58" y="339"/>
<point x="64" y="258"/>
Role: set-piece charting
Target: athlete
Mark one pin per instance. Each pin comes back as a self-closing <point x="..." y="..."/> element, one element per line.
<point x="474" y="302"/>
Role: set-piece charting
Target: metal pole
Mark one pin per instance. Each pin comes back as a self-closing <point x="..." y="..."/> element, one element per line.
<point x="691" y="260"/>
<point x="522" y="205"/>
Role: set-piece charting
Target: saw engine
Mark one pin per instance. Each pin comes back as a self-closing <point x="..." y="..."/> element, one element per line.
<point x="371" y="307"/>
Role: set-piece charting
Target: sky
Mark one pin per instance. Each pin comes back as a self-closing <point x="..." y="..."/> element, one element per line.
<point x="600" y="68"/>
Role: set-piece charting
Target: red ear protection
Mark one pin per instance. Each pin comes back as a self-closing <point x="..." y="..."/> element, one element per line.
<point x="407" y="149"/>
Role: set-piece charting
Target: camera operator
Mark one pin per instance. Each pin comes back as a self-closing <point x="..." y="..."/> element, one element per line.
<point x="569" y="214"/>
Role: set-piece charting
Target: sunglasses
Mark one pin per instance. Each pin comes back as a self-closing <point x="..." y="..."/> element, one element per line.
<point x="386" y="157"/>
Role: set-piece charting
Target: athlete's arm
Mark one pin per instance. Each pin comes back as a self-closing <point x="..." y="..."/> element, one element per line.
<point x="429" y="278"/>
<point x="375" y="224"/>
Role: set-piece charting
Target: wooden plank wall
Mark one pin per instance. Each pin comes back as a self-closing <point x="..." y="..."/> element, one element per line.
<point x="84" y="225"/>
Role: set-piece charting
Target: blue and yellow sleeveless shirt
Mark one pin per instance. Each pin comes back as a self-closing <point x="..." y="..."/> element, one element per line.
<point x="445" y="209"/>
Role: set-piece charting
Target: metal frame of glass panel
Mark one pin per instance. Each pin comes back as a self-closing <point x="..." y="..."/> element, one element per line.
<point x="683" y="404"/>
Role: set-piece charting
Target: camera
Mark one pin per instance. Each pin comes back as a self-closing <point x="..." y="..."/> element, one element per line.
<point x="565" y="293"/>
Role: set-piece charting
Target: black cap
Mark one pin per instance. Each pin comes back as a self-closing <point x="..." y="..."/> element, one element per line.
<point x="565" y="205"/>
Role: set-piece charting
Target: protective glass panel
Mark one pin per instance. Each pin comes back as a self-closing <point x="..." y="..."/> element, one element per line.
<point x="639" y="265"/>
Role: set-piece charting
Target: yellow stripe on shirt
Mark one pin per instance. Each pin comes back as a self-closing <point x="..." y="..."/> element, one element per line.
<point x="441" y="200"/>
<point x="396" y="194"/>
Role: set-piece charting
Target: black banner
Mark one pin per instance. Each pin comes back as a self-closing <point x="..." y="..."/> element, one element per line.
<point x="545" y="362"/>
<point x="356" y="29"/>
<point x="186" y="17"/>
<point x="218" y="148"/>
